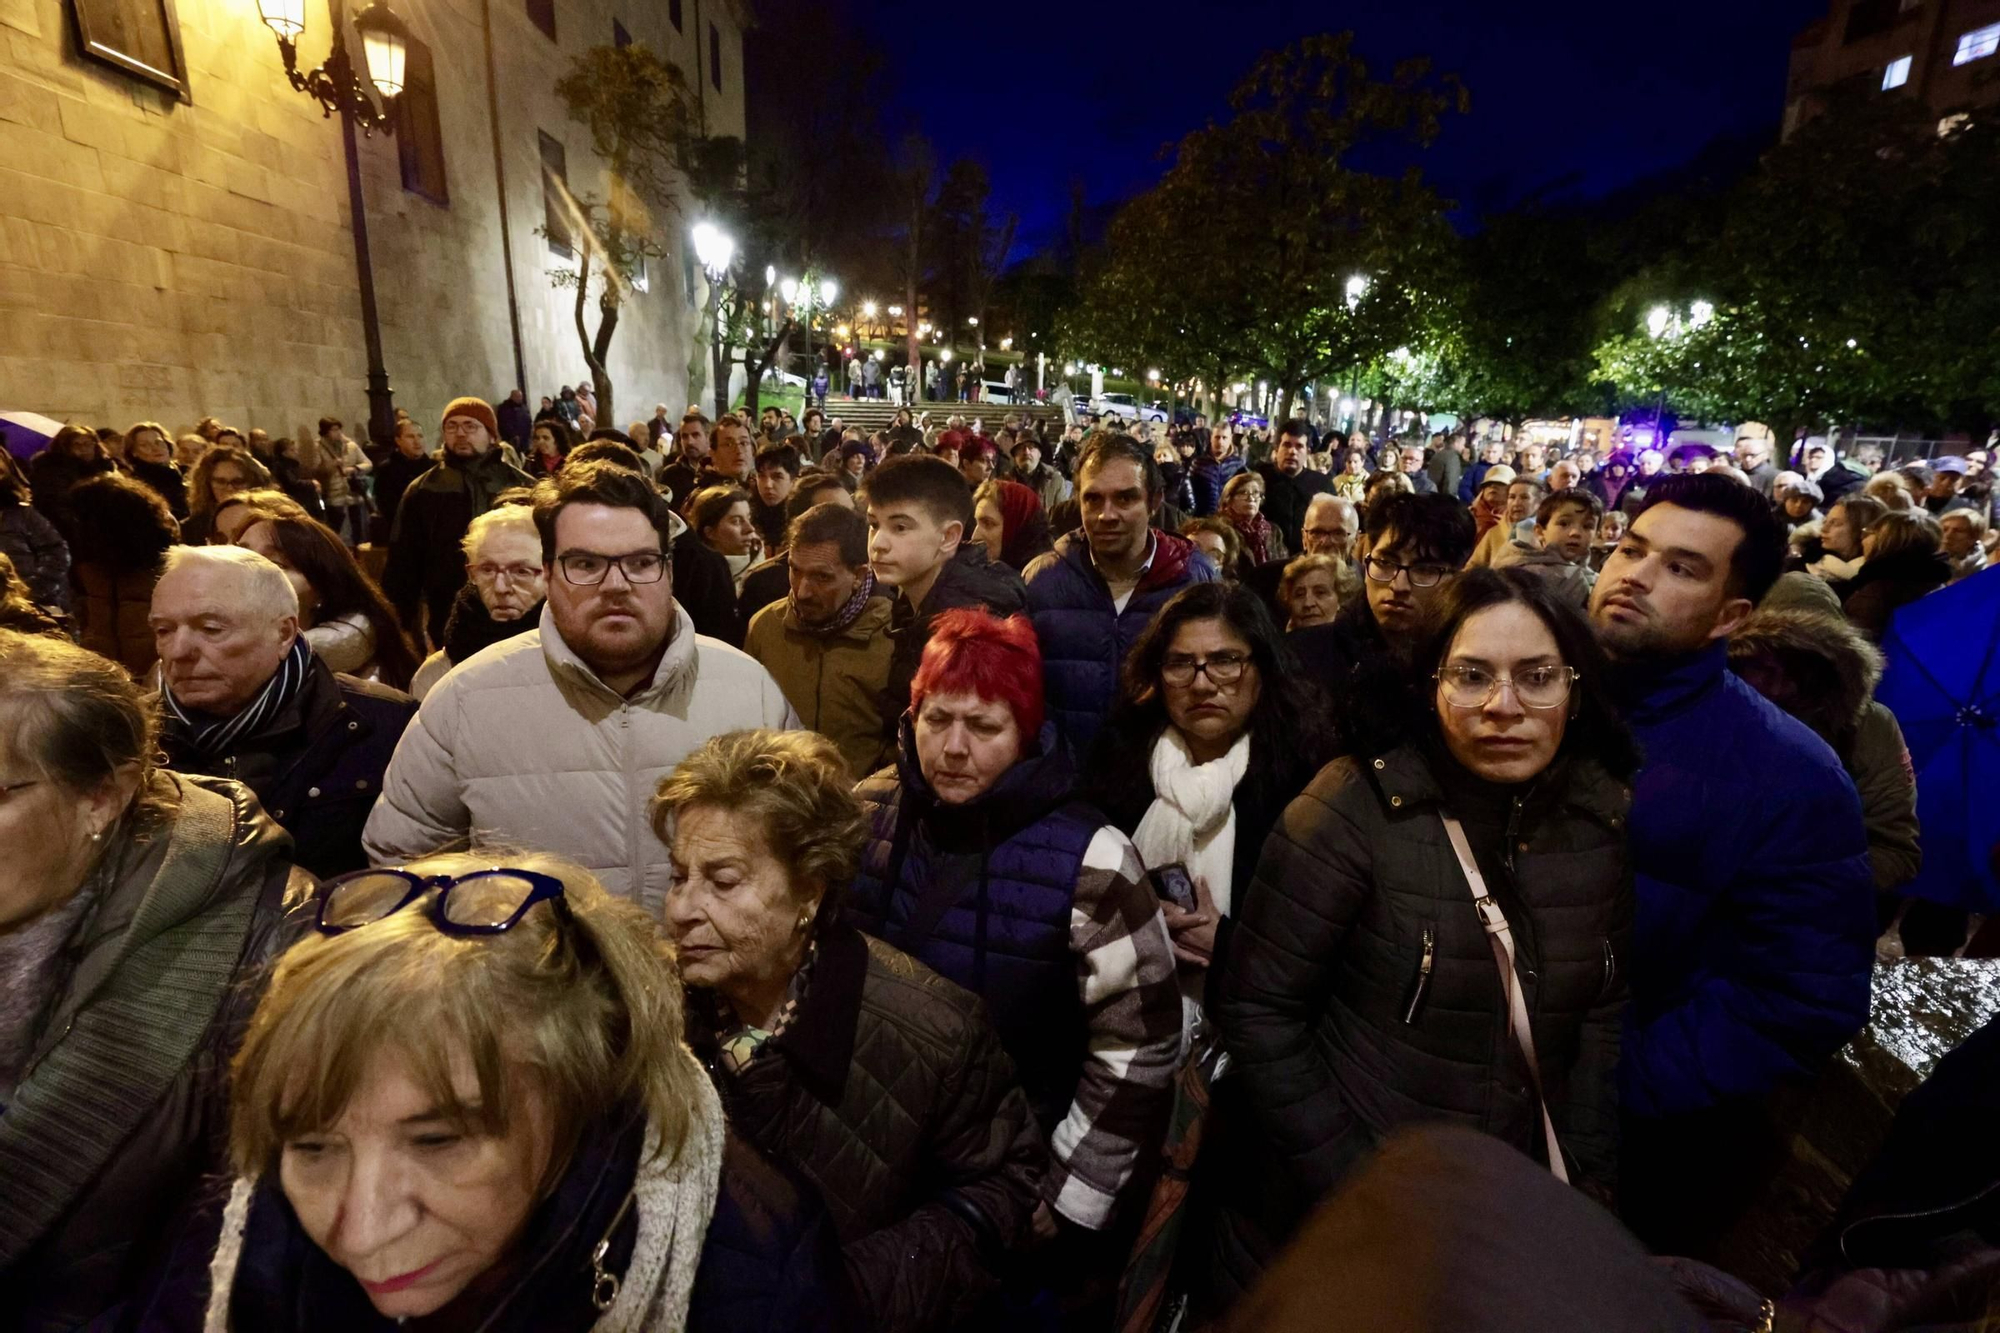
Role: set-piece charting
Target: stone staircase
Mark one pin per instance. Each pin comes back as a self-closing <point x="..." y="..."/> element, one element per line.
<point x="873" y="414"/>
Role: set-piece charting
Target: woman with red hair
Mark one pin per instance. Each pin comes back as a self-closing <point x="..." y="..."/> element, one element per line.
<point x="986" y="864"/>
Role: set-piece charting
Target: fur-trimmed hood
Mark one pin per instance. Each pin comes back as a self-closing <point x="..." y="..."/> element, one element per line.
<point x="1829" y="667"/>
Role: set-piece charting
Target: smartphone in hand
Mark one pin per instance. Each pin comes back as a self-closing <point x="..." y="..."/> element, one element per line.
<point x="1172" y="884"/>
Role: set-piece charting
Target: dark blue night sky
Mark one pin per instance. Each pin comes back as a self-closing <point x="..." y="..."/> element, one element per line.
<point x="1582" y="96"/>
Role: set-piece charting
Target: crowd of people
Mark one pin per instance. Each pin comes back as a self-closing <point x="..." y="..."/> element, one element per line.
<point x="765" y="874"/>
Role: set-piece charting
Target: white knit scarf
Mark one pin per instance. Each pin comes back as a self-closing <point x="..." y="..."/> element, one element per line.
<point x="674" y="1199"/>
<point x="1192" y="819"/>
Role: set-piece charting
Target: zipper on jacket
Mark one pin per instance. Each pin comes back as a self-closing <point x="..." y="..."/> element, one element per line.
<point x="1424" y="965"/>
<point x="1513" y="832"/>
<point x="1610" y="967"/>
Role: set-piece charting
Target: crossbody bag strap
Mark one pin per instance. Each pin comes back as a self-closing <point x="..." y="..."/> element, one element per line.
<point x="1502" y="941"/>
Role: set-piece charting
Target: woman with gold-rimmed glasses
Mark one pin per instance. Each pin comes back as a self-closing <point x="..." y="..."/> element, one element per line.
<point x="1437" y="930"/>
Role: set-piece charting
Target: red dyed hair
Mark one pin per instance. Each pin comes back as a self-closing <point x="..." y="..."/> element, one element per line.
<point x="973" y="651"/>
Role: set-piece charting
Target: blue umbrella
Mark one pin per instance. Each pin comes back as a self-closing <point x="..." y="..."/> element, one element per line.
<point x="28" y="433"/>
<point x="1943" y="685"/>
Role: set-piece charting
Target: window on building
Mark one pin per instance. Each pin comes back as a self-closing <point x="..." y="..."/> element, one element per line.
<point x="674" y="14"/>
<point x="543" y="12"/>
<point x="715" y="57"/>
<point x="419" y="138"/>
<point x="555" y="185"/>
<point x="619" y="37"/>
<point x="1978" y="44"/>
<point x="1897" y="74"/>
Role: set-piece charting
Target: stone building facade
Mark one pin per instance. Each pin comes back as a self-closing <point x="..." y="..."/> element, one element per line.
<point x="167" y="258"/>
<point x="1946" y="53"/>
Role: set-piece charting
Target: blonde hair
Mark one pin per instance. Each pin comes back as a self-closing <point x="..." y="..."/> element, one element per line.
<point x="515" y="518"/>
<point x="1304" y="565"/>
<point x="1891" y="490"/>
<point x="1898" y="531"/>
<point x="584" y="1003"/>
<point x="797" y="788"/>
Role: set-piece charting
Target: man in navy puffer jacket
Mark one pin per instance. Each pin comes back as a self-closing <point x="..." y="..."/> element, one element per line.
<point x="1097" y="591"/>
<point x="1754" y="943"/>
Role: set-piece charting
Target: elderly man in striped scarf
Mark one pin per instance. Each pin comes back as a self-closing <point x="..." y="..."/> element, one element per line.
<point x="243" y="696"/>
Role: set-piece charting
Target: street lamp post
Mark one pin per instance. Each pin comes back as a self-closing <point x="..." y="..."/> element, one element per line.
<point x="339" y="90"/>
<point x="1357" y="288"/>
<point x="714" y="249"/>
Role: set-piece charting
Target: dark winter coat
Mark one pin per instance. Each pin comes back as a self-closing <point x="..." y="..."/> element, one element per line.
<point x="1286" y="498"/>
<point x="124" y="1109"/>
<point x="981" y="894"/>
<point x="39" y="553"/>
<point x="705" y="590"/>
<point x="426" y="559"/>
<point x="166" y="479"/>
<point x="393" y="477"/>
<point x="113" y="610"/>
<point x="1886" y="584"/>
<point x="1341" y="1031"/>
<point x="1085" y="637"/>
<point x="890" y="1093"/>
<point x="317" y="766"/>
<point x="969" y="578"/>
<point x="767" y="582"/>
<point x="1208" y="477"/>
<point x="1756" y="925"/>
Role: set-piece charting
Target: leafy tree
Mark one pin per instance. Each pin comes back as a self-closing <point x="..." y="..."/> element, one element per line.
<point x="642" y="120"/>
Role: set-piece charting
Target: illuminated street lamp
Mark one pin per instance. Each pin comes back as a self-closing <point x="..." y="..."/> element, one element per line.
<point x="944" y="357"/>
<point x="789" y="289"/>
<point x="340" y="91"/>
<point x="713" y="249"/>
<point x="973" y="320"/>
<point x="828" y="290"/>
<point x="1699" y="314"/>
<point x="895" y="312"/>
<point x="868" y="309"/>
<point x="1658" y="320"/>
<point x="770" y="275"/>
<point x="1357" y="287"/>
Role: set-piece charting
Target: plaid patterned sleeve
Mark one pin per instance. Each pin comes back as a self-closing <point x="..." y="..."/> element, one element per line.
<point x="1132" y="1014"/>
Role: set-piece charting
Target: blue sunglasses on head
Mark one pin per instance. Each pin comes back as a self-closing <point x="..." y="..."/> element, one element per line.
<point x="485" y="902"/>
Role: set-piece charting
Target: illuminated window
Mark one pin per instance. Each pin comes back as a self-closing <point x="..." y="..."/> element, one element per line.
<point x="1897" y="74"/>
<point x="1978" y="44"/>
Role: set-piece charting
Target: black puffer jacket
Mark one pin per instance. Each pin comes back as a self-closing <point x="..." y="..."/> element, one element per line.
<point x="890" y="1092"/>
<point x="1340" y="1031"/>
<point x="969" y="578"/>
<point x="124" y="1109"/>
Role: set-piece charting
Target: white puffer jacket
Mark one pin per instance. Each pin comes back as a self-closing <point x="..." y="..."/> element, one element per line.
<point x="523" y="746"/>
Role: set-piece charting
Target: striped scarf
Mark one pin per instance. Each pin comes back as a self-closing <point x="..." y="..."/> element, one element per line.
<point x="847" y="614"/>
<point x="209" y="739"/>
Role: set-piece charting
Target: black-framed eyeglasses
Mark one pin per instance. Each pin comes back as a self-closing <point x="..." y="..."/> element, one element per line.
<point x="1221" y="669"/>
<point x="587" y="568"/>
<point x="1541" y="687"/>
<point x="485" y="902"/>
<point x="1424" y="575"/>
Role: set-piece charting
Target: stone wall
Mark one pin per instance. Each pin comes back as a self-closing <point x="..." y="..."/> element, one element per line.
<point x="165" y="259"/>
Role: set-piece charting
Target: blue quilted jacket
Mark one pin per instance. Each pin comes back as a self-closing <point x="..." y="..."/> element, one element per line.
<point x="1085" y="637"/>
<point x="1755" y="939"/>
<point x="981" y="894"/>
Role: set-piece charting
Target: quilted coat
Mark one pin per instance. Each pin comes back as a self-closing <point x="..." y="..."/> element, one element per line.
<point x="1756" y="925"/>
<point x="523" y="745"/>
<point x="1208" y="476"/>
<point x="1085" y="637"/>
<point x="1007" y="866"/>
<point x="123" y="1111"/>
<point x="1359" y="993"/>
<point x="889" y="1091"/>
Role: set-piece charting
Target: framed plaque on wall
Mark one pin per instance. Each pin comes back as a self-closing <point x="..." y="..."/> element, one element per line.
<point x="141" y="37"/>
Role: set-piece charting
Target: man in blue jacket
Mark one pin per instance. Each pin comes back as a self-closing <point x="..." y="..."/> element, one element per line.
<point x="1092" y="596"/>
<point x="1755" y="934"/>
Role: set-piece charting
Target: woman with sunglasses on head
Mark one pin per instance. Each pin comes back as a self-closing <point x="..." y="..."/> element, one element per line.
<point x="464" y="1102"/>
<point x="1437" y="929"/>
<point x="136" y="907"/>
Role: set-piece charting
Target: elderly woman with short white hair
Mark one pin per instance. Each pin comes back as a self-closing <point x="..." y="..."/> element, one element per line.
<point x="502" y="597"/>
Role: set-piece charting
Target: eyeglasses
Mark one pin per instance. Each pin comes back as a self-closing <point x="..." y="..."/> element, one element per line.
<point x="486" y="902"/>
<point x="512" y="573"/>
<point x="587" y="568"/>
<point x="1474" y="687"/>
<point x="1425" y="575"/>
<point x="1221" y="669"/>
